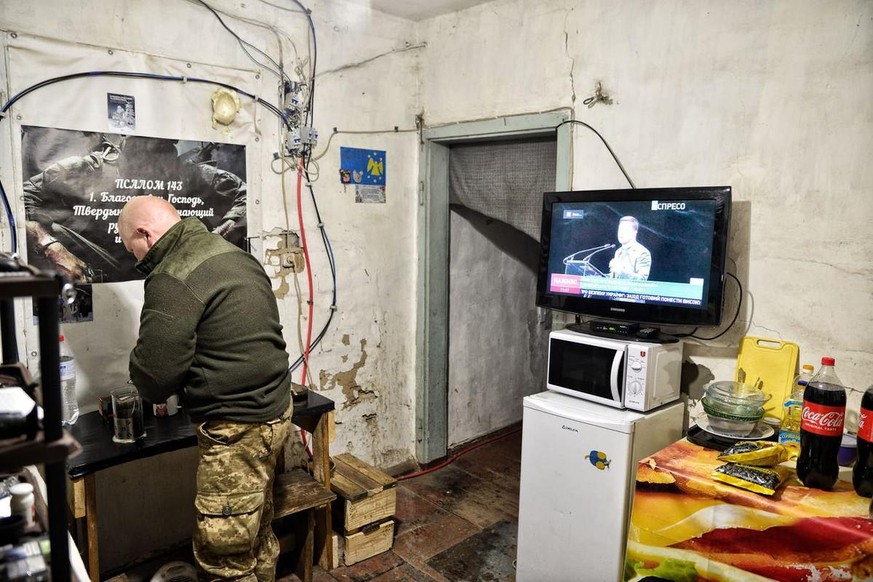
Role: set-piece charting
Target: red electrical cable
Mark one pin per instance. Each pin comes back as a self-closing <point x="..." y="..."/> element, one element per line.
<point x="308" y="343"/>
<point x="455" y="457"/>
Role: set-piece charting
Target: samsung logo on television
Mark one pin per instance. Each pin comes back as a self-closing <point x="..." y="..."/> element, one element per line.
<point x="619" y="309"/>
<point x="667" y="205"/>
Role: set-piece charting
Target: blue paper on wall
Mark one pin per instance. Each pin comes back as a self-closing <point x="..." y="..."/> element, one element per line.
<point x="360" y="166"/>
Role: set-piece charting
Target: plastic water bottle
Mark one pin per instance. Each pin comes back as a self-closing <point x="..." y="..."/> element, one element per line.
<point x="789" y="429"/>
<point x="68" y="385"/>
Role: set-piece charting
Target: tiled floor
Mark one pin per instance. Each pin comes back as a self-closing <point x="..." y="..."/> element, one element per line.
<point x="458" y="523"/>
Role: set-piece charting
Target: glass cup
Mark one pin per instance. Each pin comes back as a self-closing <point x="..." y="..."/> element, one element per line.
<point x="127" y="415"/>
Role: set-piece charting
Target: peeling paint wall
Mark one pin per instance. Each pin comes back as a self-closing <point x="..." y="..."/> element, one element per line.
<point x="772" y="98"/>
<point x="367" y="96"/>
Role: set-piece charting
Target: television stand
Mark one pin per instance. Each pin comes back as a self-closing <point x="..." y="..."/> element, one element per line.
<point x="622" y="331"/>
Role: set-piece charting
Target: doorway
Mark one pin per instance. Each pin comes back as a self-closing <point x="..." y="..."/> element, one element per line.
<point x="462" y="236"/>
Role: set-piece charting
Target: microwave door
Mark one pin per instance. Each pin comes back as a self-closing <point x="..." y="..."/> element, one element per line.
<point x="614" y="380"/>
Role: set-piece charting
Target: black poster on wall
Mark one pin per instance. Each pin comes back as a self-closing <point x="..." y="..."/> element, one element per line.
<point x="76" y="183"/>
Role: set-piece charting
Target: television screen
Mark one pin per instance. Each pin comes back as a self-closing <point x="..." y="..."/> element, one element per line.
<point x="653" y="255"/>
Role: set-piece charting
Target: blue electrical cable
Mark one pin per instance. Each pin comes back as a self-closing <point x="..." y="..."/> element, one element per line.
<point x="11" y="219"/>
<point x="243" y="44"/>
<point x="332" y="263"/>
<point x="309" y="110"/>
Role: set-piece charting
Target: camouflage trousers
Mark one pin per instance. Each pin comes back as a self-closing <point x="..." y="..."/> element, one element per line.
<point x="233" y="538"/>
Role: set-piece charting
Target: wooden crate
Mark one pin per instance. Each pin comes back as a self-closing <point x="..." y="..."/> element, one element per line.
<point x="371" y="540"/>
<point x="366" y="495"/>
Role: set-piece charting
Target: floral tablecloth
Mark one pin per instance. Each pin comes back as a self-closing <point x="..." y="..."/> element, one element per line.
<point x="685" y="526"/>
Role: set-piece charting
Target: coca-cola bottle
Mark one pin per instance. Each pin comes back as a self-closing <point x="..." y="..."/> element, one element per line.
<point x="821" y="428"/>
<point x="862" y="474"/>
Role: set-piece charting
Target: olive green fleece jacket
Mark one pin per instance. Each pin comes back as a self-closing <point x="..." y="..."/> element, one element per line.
<point x="209" y="330"/>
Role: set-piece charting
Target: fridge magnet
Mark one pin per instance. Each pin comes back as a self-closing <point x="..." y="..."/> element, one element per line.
<point x="598" y="459"/>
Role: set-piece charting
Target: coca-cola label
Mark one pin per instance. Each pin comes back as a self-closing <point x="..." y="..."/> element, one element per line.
<point x="822" y="420"/>
<point x="865" y="425"/>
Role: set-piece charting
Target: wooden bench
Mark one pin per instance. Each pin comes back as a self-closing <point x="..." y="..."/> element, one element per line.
<point x="294" y="492"/>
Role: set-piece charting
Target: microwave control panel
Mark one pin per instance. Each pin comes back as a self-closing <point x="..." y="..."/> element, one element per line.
<point x="637" y="370"/>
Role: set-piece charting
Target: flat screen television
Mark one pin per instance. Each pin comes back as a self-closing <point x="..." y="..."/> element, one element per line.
<point x="646" y="255"/>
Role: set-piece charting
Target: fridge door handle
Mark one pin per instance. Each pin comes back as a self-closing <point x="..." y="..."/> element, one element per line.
<point x="613" y="376"/>
<point x="588" y="418"/>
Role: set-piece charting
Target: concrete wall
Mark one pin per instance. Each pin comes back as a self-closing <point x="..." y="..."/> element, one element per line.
<point x="771" y="98"/>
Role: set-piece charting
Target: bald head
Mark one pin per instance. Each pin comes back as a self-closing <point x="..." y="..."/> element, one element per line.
<point x="143" y="221"/>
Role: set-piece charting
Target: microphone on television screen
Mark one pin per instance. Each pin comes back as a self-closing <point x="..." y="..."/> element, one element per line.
<point x="598" y="249"/>
<point x="592" y="250"/>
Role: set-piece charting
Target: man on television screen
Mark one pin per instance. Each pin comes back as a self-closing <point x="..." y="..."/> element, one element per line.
<point x="632" y="260"/>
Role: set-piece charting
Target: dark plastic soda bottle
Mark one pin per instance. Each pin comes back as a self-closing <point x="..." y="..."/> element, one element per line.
<point x="821" y="428"/>
<point x="862" y="474"/>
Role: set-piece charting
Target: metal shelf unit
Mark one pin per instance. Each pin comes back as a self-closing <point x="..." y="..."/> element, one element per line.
<point x="51" y="445"/>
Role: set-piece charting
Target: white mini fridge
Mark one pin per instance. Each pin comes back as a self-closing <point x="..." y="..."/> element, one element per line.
<point x="578" y="467"/>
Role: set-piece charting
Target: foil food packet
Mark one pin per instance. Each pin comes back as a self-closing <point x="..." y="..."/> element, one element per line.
<point x="756" y="453"/>
<point x="764" y="480"/>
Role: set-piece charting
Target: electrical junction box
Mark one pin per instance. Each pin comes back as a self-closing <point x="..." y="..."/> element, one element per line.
<point x="293" y="259"/>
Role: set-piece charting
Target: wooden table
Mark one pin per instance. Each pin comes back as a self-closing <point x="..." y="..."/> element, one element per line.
<point x="172" y="433"/>
<point x="685" y="524"/>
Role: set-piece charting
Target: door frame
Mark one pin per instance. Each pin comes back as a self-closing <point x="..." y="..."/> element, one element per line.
<point x="432" y="290"/>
